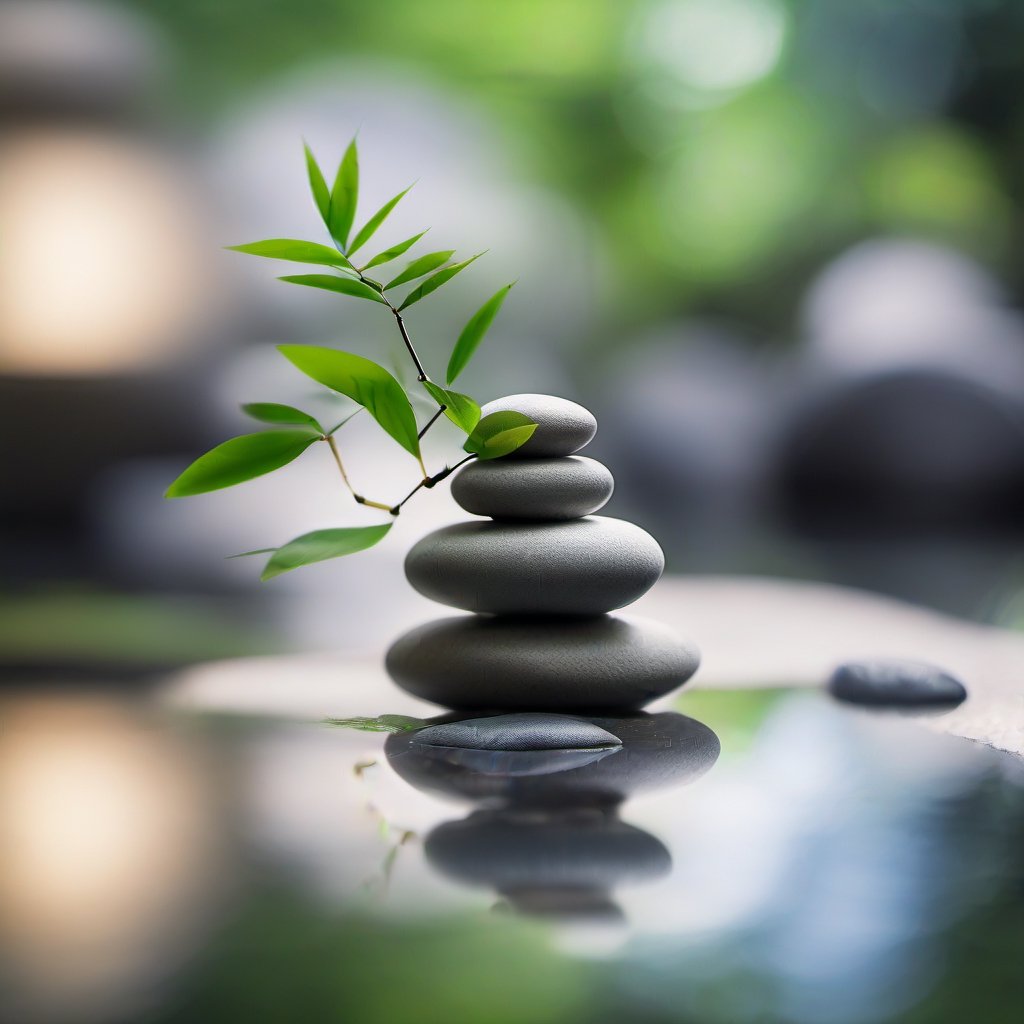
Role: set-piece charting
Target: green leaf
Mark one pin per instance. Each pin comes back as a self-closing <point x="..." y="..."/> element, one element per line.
<point x="255" y="551"/>
<point x="272" y="412"/>
<point x="473" y="333"/>
<point x="297" y="251"/>
<point x="507" y="442"/>
<point x="344" y="285"/>
<point x="433" y="283"/>
<point x="499" y="434"/>
<point x="420" y="266"/>
<point x="394" y="252"/>
<point x="367" y="230"/>
<point x="344" y="196"/>
<point x="382" y="723"/>
<point x="460" y="409"/>
<point x="321" y="195"/>
<point x="350" y="416"/>
<point x="242" y="458"/>
<point x="364" y="382"/>
<point x="321" y="545"/>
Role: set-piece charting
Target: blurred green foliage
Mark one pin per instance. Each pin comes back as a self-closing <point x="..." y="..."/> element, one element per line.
<point x="323" y="967"/>
<point x="734" y="715"/>
<point x="67" y="626"/>
<point x="721" y="150"/>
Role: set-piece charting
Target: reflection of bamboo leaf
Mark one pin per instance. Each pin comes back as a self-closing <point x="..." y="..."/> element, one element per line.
<point x="361" y="766"/>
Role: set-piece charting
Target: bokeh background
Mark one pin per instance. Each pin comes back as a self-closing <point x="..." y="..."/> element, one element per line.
<point x="775" y="246"/>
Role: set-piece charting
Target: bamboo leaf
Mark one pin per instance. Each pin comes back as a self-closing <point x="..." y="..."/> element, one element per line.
<point x="500" y="433"/>
<point x="433" y="283"/>
<point x="296" y="251"/>
<point x="242" y="458"/>
<point x="506" y="442"/>
<point x="344" y="196"/>
<point x="473" y="333"/>
<point x="420" y="266"/>
<point x="382" y="723"/>
<point x="350" y="416"/>
<point x="365" y="382"/>
<point x="344" y="285"/>
<point x="321" y="545"/>
<point x="395" y="251"/>
<point x="460" y="409"/>
<point x="367" y="230"/>
<point x="272" y="412"/>
<point x="321" y="194"/>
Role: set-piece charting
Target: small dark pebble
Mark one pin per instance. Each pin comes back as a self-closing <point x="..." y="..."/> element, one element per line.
<point x="519" y="732"/>
<point x="895" y="683"/>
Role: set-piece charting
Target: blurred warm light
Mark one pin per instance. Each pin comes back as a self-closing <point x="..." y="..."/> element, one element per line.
<point x="98" y="268"/>
<point x="715" y="45"/>
<point x="106" y="835"/>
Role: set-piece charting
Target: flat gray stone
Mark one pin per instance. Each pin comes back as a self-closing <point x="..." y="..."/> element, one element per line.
<point x="895" y="683"/>
<point x="563" y="427"/>
<point x="579" y="567"/>
<point x="519" y="732"/>
<point x="658" y="751"/>
<point x="511" y="664"/>
<point x="551" y="489"/>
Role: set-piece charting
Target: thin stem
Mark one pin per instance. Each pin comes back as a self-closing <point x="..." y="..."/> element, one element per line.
<point x="341" y="466"/>
<point x="429" y="482"/>
<point x="395" y="509"/>
<point x="359" y="499"/>
<point x="421" y="374"/>
<point x="432" y="421"/>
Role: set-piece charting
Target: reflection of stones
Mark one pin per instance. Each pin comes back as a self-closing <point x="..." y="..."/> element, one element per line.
<point x="564" y="864"/>
<point x="603" y="663"/>
<point x="550" y="489"/>
<point x="895" y="683"/>
<point x="547" y="836"/>
<point x="553" y="567"/>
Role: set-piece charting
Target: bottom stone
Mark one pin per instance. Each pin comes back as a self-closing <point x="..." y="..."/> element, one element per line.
<point x="606" y="663"/>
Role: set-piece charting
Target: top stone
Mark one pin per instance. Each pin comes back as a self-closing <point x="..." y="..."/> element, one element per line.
<point x="563" y="427"/>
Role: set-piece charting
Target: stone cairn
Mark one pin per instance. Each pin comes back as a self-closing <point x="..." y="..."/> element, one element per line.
<point x="541" y="575"/>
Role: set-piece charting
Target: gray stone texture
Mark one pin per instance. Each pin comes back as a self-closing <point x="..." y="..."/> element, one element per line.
<point x="563" y="427"/>
<point x="520" y="732"/>
<point x="549" y="489"/>
<point x="510" y="664"/>
<point x="579" y="567"/>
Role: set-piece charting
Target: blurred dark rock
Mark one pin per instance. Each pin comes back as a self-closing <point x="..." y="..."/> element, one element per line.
<point x="894" y="682"/>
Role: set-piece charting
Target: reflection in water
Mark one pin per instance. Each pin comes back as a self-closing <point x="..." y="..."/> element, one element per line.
<point x="108" y="854"/>
<point x="547" y="836"/>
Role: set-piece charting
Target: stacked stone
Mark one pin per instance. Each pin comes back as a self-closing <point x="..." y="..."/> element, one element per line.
<point x="541" y="576"/>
